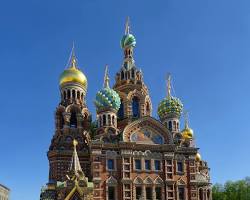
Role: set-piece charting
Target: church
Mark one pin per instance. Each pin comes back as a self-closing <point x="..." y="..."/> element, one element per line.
<point x="126" y="153"/>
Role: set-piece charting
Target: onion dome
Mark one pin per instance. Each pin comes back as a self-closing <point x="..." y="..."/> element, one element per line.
<point x="73" y="74"/>
<point x="170" y="104"/>
<point x="198" y="157"/>
<point x="187" y="133"/>
<point x="128" y="40"/>
<point x="107" y="97"/>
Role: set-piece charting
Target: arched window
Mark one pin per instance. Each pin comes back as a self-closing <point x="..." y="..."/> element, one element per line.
<point x="170" y="125"/>
<point x="122" y="75"/>
<point x="74" y="94"/>
<point x="78" y="95"/>
<point x="73" y="119"/>
<point x="113" y="120"/>
<point x="133" y="73"/>
<point x="104" y="120"/>
<point x="82" y="96"/>
<point x="208" y="195"/>
<point x="200" y="194"/>
<point x="64" y="94"/>
<point x="100" y="118"/>
<point x="68" y="94"/>
<point x="147" y="108"/>
<point x="136" y="107"/>
<point x="121" y="111"/>
<point x="109" y="120"/>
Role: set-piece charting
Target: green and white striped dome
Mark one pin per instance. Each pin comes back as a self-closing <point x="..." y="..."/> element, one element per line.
<point x="128" y="40"/>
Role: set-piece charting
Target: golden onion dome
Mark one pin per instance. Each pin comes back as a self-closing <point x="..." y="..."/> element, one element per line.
<point x="187" y="133"/>
<point x="73" y="74"/>
<point x="198" y="157"/>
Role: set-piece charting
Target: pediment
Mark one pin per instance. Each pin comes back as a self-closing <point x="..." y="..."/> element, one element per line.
<point x="147" y="130"/>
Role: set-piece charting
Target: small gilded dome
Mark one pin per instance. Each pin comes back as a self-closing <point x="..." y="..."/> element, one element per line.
<point x="128" y="40"/>
<point x="197" y="157"/>
<point x="187" y="133"/>
<point x="73" y="74"/>
<point x="107" y="97"/>
<point x="170" y="105"/>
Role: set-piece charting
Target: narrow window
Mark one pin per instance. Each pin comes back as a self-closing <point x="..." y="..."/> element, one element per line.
<point x="64" y="95"/>
<point x="138" y="164"/>
<point x="74" y="94"/>
<point x="73" y="119"/>
<point x="111" y="164"/>
<point x="121" y="111"/>
<point x="68" y="94"/>
<point x="157" y="165"/>
<point x="175" y="127"/>
<point x="158" y="193"/>
<point x="61" y="121"/>
<point x="148" y="193"/>
<point x="113" y="120"/>
<point x="181" y="193"/>
<point x="104" y="120"/>
<point x="78" y="95"/>
<point x="200" y="194"/>
<point x="135" y="107"/>
<point x="111" y="193"/>
<point x="147" y="165"/>
<point x="138" y="191"/>
<point x="133" y="73"/>
<point x="122" y="75"/>
<point x="179" y="166"/>
<point x="170" y="125"/>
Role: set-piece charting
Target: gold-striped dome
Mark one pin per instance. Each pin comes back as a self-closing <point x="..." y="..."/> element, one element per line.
<point x="198" y="157"/>
<point x="73" y="74"/>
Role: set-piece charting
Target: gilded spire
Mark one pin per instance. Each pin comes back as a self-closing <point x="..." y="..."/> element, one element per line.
<point x="106" y="78"/>
<point x="73" y="60"/>
<point x="186" y="119"/>
<point x="75" y="163"/>
<point x="168" y="85"/>
<point x="127" y="26"/>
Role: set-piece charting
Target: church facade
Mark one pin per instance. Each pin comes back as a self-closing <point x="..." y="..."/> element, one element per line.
<point x="126" y="154"/>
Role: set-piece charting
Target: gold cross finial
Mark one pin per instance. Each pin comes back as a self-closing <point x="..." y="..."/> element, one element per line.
<point x="73" y="61"/>
<point x="106" y="78"/>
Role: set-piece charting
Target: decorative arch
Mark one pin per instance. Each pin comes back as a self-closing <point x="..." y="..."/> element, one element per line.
<point x="111" y="181"/>
<point x="147" y="130"/>
<point x="148" y="181"/>
<point x="158" y="181"/>
<point x="138" y="181"/>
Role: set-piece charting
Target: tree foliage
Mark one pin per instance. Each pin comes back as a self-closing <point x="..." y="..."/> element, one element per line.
<point x="238" y="190"/>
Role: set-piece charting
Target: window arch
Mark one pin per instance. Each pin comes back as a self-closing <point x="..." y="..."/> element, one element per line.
<point x="73" y="94"/>
<point x="64" y="94"/>
<point x="200" y="194"/>
<point x="170" y="125"/>
<point x="104" y="120"/>
<point x="68" y="94"/>
<point x="136" y="107"/>
<point x="121" y="111"/>
<point x="82" y="96"/>
<point x="73" y="119"/>
<point x="133" y="73"/>
<point x="147" y="108"/>
<point x="78" y="95"/>
<point x="122" y="75"/>
<point x="113" y="120"/>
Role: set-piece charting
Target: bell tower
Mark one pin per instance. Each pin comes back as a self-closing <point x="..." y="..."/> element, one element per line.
<point x="72" y="122"/>
<point x="134" y="94"/>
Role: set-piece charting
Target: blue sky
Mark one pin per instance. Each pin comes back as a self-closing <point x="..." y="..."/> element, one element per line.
<point x="205" y="45"/>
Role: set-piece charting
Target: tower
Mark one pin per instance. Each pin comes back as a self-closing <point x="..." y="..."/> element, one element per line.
<point x="107" y="103"/>
<point x="72" y="122"/>
<point x="135" y="99"/>
<point x="169" y="111"/>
